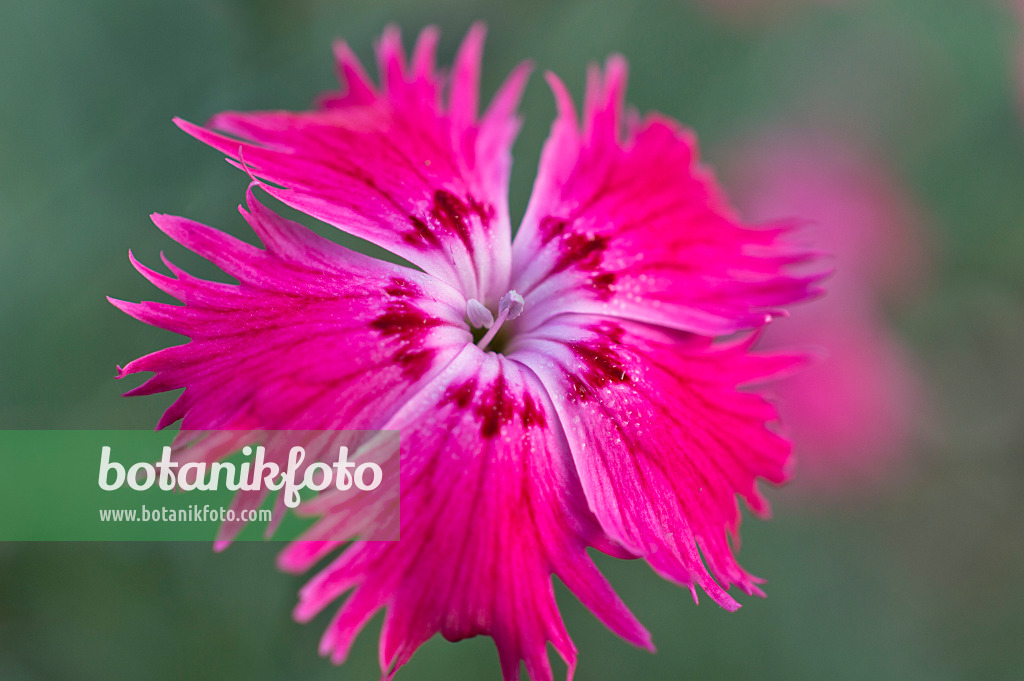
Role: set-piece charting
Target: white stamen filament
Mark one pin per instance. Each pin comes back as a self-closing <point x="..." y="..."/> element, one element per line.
<point x="509" y="307"/>
<point x="479" y="316"/>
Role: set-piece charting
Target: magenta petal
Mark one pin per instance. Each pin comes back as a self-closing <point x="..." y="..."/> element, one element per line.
<point x="491" y="507"/>
<point x="662" y="439"/>
<point x="602" y="414"/>
<point x="313" y="336"/>
<point x="851" y="415"/>
<point x="404" y="167"/>
<point x="624" y="221"/>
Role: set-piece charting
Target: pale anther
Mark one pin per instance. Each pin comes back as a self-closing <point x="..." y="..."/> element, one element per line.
<point x="479" y="316"/>
<point x="509" y="307"/>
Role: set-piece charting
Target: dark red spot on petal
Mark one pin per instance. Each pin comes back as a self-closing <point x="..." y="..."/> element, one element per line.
<point x="421" y="236"/>
<point x="552" y="227"/>
<point x="407" y="325"/>
<point x="460" y="395"/>
<point x="401" y="287"/>
<point x="533" y="413"/>
<point x="581" y="251"/>
<point x="448" y="216"/>
<point x="415" y="363"/>
<point x="404" y="320"/>
<point x="452" y="215"/>
<point x="578" y="390"/>
<point x="602" y="285"/>
<point x="483" y="211"/>
<point x="495" y="405"/>
<point x="602" y="362"/>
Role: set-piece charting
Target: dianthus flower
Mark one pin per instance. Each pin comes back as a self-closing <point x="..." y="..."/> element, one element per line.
<point x="558" y="391"/>
<point x="851" y="414"/>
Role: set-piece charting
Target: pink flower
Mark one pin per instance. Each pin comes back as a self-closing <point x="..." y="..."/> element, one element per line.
<point x="851" y="414"/>
<point x="595" y="411"/>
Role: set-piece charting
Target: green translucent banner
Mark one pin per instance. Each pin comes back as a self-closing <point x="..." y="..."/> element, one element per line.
<point x="133" y="485"/>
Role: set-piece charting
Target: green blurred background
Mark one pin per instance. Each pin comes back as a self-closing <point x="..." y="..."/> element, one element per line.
<point x="914" y="579"/>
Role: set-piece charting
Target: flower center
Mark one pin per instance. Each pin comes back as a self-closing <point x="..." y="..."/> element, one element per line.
<point x="485" y="326"/>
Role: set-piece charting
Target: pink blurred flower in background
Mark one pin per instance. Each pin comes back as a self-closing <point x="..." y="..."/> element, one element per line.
<point x="556" y="392"/>
<point x="851" y="414"/>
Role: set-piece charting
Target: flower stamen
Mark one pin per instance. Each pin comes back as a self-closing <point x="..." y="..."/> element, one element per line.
<point x="479" y="316"/>
<point x="509" y="307"/>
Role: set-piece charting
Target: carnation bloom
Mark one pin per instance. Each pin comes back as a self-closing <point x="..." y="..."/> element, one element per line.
<point x="851" y="414"/>
<point x="556" y="392"/>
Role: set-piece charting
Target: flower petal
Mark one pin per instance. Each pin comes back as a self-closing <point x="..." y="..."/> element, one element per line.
<point x="662" y="439"/>
<point x="420" y="176"/>
<point x="314" y="336"/>
<point x="636" y="228"/>
<point x="491" y="507"/>
<point x="851" y="415"/>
